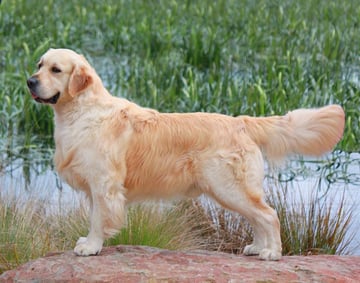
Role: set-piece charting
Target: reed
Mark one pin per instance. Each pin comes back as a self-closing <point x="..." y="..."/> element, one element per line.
<point x="233" y="57"/>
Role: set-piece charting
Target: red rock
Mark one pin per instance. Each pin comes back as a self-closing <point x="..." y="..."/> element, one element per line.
<point x="145" y="264"/>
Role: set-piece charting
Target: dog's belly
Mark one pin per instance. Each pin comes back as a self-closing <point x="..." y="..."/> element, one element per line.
<point x="149" y="193"/>
<point x="160" y="187"/>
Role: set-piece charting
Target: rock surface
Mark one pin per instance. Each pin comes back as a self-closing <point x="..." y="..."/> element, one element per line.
<point x="145" y="264"/>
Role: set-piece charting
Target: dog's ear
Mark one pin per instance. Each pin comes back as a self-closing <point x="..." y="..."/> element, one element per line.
<point x="79" y="80"/>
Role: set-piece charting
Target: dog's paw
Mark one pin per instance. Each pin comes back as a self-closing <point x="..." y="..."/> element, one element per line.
<point x="267" y="254"/>
<point x="264" y="254"/>
<point x="85" y="247"/>
<point x="252" y="250"/>
<point x="81" y="240"/>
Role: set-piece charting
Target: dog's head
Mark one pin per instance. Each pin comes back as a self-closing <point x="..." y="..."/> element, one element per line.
<point x="62" y="75"/>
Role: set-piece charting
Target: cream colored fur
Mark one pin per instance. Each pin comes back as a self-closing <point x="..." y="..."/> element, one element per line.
<point x="118" y="152"/>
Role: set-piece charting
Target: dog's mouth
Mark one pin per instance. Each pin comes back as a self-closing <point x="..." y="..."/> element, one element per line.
<point x="51" y="100"/>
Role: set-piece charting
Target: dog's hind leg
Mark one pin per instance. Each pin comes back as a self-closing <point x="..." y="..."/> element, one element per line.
<point x="267" y="242"/>
<point x="235" y="180"/>
<point x="106" y="218"/>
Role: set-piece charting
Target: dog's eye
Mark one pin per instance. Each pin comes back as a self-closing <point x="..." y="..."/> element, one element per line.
<point x="55" y="70"/>
<point x="39" y="65"/>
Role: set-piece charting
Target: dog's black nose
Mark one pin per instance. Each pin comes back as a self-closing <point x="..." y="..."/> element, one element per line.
<point x="32" y="82"/>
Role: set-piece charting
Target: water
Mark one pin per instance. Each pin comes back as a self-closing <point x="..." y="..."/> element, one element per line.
<point x="333" y="180"/>
<point x="46" y="187"/>
<point x="330" y="178"/>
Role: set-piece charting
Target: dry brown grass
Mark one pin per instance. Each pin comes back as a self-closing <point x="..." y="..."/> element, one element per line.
<point x="314" y="225"/>
<point x="28" y="230"/>
<point x="318" y="223"/>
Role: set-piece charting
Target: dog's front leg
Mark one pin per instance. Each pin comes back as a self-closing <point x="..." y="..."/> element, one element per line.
<point x="106" y="217"/>
<point x="92" y="244"/>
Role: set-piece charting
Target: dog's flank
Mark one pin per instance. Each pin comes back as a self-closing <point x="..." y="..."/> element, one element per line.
<point x="118" y="152"/>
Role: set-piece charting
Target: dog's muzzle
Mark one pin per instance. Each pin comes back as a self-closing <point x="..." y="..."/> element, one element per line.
<point x="33" y="84"/>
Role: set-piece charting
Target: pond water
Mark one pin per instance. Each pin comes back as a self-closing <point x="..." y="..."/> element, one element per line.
<point x="335" y="176"/>
<point x="332" y="180"/>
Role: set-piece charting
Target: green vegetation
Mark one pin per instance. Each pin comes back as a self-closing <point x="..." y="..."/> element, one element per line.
<point x="234" y="57"/>
<point x="168" y="226"/>
<point x="229" y="56"/>
<point x="28" y="230"/>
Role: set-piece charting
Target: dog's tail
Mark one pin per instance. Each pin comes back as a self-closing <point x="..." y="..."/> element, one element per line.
<point x="302" y="131"/>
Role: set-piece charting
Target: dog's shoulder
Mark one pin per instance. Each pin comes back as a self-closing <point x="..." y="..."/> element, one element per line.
<point x="139" y="117"/>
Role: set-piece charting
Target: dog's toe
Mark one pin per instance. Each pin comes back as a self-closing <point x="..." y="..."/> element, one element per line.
<point x="267" y="254"/>
<point x="252" y="250"/>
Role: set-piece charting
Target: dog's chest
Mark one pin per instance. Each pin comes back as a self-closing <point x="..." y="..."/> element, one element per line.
<point x="74" y="156"/>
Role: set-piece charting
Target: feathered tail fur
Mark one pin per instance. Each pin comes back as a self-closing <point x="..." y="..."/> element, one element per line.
<point x="302" y="131"/>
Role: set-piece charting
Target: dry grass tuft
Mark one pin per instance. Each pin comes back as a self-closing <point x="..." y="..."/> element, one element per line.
<point x="313" y="224"/>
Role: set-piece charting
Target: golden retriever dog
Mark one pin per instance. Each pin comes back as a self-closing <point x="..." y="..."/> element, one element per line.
<point x="118" y="152"/>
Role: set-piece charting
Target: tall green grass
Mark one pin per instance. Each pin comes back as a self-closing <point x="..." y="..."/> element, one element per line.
<point x="233" y="57"/>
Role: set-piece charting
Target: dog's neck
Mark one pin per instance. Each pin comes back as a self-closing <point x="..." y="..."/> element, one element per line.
<point x="69" y="110"/>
